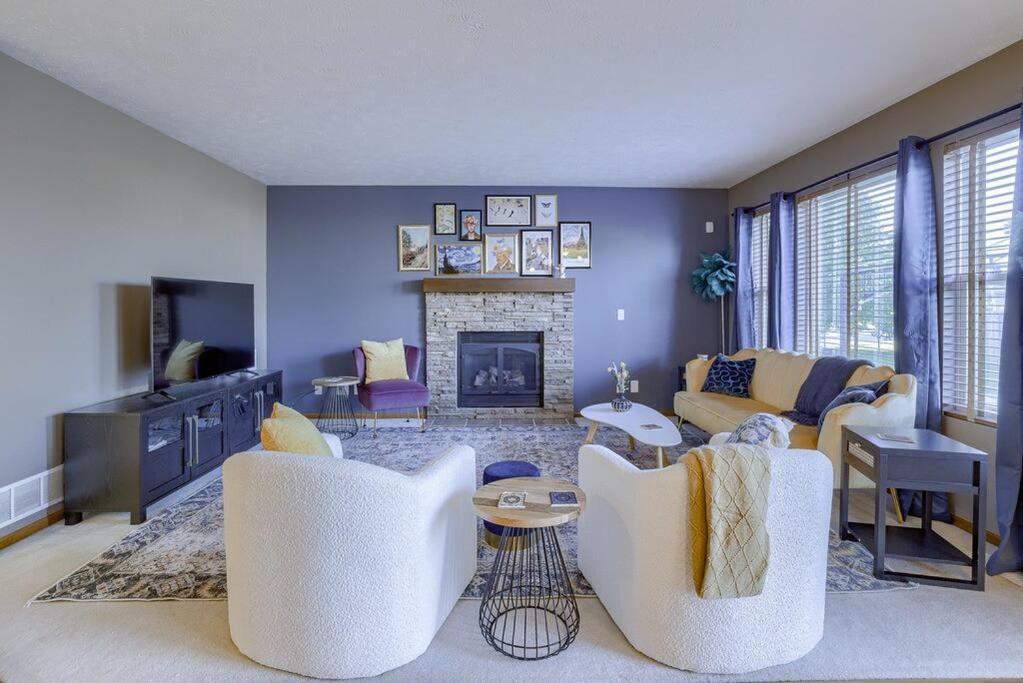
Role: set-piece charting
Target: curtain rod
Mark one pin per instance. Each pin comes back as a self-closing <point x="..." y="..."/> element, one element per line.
<point x="928" y="141"/>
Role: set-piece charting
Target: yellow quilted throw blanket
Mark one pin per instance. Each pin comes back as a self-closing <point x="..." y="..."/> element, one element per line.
<point x="728" y="487"/>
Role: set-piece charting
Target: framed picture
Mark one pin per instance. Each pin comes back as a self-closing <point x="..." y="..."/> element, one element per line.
<point x="576" y="243"/>
<point x="470" y="225"/>
<point x="546" y="210"/>
<point x="501" y="254"/>
<point x="459" y="259"/>
<point x="444" y="219"/>
<point x="537" y="252"/>
<point x="413" y="247"/>
<point x="509" y="209"/>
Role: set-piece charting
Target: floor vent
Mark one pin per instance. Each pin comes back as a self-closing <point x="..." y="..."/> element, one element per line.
<point x="5" y="506"/>
<point x="31" y="495"/>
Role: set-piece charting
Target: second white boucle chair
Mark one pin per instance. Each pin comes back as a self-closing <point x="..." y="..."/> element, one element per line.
<point x="342" y="569"/>
<point x="634" y="551"/>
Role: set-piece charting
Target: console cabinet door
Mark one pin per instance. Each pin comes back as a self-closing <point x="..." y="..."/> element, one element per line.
<point x="242" y="418"/>
<point x="271" y="388"/>
<point x="210" y="433"/>
<point x="166" y="450"/>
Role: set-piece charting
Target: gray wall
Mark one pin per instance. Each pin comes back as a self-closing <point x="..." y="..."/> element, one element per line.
<point x="92" y="203"/>
<point x="333" y="278"/>
<point x="985" y="87"/>
<point x="989" y="85"/>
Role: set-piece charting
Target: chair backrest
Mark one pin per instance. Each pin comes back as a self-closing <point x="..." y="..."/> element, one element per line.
<point x="313" y="545"/>
<point x="412" y="358"/>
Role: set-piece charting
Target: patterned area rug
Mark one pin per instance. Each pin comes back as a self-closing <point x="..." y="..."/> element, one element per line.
<point x="179" y="553"/>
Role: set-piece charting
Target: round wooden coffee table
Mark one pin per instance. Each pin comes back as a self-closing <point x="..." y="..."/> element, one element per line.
<point x="336" y="413"/>
<point x="528" y="609"/>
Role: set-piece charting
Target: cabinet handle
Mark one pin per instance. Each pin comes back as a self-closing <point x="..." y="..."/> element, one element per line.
<point x="194" y="422"/>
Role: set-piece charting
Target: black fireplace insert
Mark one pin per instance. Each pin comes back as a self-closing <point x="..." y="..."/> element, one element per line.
<point x="500" y="369"/>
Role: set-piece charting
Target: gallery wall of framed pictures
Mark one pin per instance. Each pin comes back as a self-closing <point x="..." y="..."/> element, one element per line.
<point x="481" y="241"/>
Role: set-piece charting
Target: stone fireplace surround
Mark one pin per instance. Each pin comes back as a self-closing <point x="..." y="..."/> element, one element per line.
<point x="453" y="306"/>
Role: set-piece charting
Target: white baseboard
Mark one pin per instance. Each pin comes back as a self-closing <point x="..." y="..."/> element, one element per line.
<point x="31" y="495"/>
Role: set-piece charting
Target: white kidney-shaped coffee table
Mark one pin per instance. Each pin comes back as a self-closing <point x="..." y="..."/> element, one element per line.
<point x="642" y="423"/>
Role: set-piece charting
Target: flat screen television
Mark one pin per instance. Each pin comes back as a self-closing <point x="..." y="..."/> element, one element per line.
<point x="200" y="329"/>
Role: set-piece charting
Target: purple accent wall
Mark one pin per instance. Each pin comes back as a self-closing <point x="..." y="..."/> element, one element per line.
<point x="333" y="280"/>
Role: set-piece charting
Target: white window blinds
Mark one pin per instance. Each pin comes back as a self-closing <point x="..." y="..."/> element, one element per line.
<point x="845" y="264"/>
<point x="758" y="254"/>
<point x="978" y="182"/>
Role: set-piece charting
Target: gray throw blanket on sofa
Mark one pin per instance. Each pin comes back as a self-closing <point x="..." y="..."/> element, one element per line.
<point x="827" y="378"/>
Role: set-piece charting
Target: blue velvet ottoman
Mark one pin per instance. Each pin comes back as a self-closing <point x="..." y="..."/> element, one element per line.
<point x="505" y="469"/>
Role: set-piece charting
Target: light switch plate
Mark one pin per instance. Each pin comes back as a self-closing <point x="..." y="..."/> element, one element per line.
<point x="634" y="386"/>
<point x="317" y="390"/>
<point x="621" y="314"/>
<point x="709" y="226"/>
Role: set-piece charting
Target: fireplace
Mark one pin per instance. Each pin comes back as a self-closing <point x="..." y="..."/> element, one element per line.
<point x="500" y="369"/>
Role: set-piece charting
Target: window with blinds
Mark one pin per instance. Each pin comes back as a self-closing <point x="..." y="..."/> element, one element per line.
<point x="758" y="254"/>
<point x="845" y="269"/>
<point x="978" y="182"/>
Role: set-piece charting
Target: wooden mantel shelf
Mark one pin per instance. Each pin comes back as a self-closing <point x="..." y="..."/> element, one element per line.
<point x="456" y="284"/>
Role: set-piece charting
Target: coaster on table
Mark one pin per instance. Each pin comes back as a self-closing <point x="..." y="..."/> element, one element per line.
<point x="564" y="499"/>
<point x="512" y="499"/>
<point x="896" y="437"/>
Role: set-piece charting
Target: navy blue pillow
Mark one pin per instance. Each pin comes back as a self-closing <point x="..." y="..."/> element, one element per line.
<point x="730" y="377"/>
<point x="866" y="393"/>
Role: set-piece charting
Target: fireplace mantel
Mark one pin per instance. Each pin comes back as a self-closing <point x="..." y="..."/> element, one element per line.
<point x="464" y="285"/>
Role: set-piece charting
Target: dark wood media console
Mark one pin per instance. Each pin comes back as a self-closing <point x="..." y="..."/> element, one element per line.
<point x="128" y="453"/>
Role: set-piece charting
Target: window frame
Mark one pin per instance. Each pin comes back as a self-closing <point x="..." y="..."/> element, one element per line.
<point x="848" y="182"/>
<point x="760" y="264"/>
<point x="967" y="138"/>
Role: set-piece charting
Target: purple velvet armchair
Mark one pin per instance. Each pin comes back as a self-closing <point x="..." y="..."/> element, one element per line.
<point x="391" y="394"/>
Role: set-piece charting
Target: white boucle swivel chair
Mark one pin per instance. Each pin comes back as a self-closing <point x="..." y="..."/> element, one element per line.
<point x="342" y="569"/>
<point x="634" y="551"/>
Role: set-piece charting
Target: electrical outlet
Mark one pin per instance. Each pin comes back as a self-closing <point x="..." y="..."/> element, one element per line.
<point x="621" y="314"/>
<point x="317" y="390"/>
<point x="634" y="386"/>
<point x="709" y="226"/>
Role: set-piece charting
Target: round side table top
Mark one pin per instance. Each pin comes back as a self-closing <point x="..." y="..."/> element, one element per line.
<point x="538" y="511"/>
<point x="340" y="381"/>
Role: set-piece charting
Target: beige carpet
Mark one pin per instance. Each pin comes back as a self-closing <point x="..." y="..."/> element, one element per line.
<point x="922" y="633"/>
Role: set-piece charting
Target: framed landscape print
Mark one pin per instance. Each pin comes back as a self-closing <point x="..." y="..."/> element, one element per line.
<point x="459" y="259"/>
<point x="444" y="219"/>
<point x="546" y="210"/>
<point x="537" y="252"/>
<point x="470" y="225"/>
<point x="576" y="242"/>
<point x="413" y="247"/>
<point x="505" y="209"/>
<point x="501" y="254"/>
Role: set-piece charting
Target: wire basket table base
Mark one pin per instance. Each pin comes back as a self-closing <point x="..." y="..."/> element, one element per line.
<point x="336" y="413"/>
<point x="528" y="609"/>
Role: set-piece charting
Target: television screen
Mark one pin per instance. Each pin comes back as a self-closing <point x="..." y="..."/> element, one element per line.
<point x="200" y="329"/>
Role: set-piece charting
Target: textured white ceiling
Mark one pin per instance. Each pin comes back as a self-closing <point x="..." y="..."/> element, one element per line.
<point x="680" y="93"/>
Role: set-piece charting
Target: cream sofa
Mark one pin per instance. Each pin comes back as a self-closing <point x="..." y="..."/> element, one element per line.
<point x="777" y="377"/>
<point x="634" y="550"/>
<point x="341" y="569"/>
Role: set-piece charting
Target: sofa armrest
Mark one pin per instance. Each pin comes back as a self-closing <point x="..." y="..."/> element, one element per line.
<point x="696" y="373"/>
<point x="891" y="410"/>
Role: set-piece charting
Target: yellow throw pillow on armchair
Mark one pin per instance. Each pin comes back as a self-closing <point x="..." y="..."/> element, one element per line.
<point x="384" y="360"/>
<point x="288" y="431"/>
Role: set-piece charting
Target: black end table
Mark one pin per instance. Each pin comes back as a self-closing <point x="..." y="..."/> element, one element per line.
<point x="932" y="462"/>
